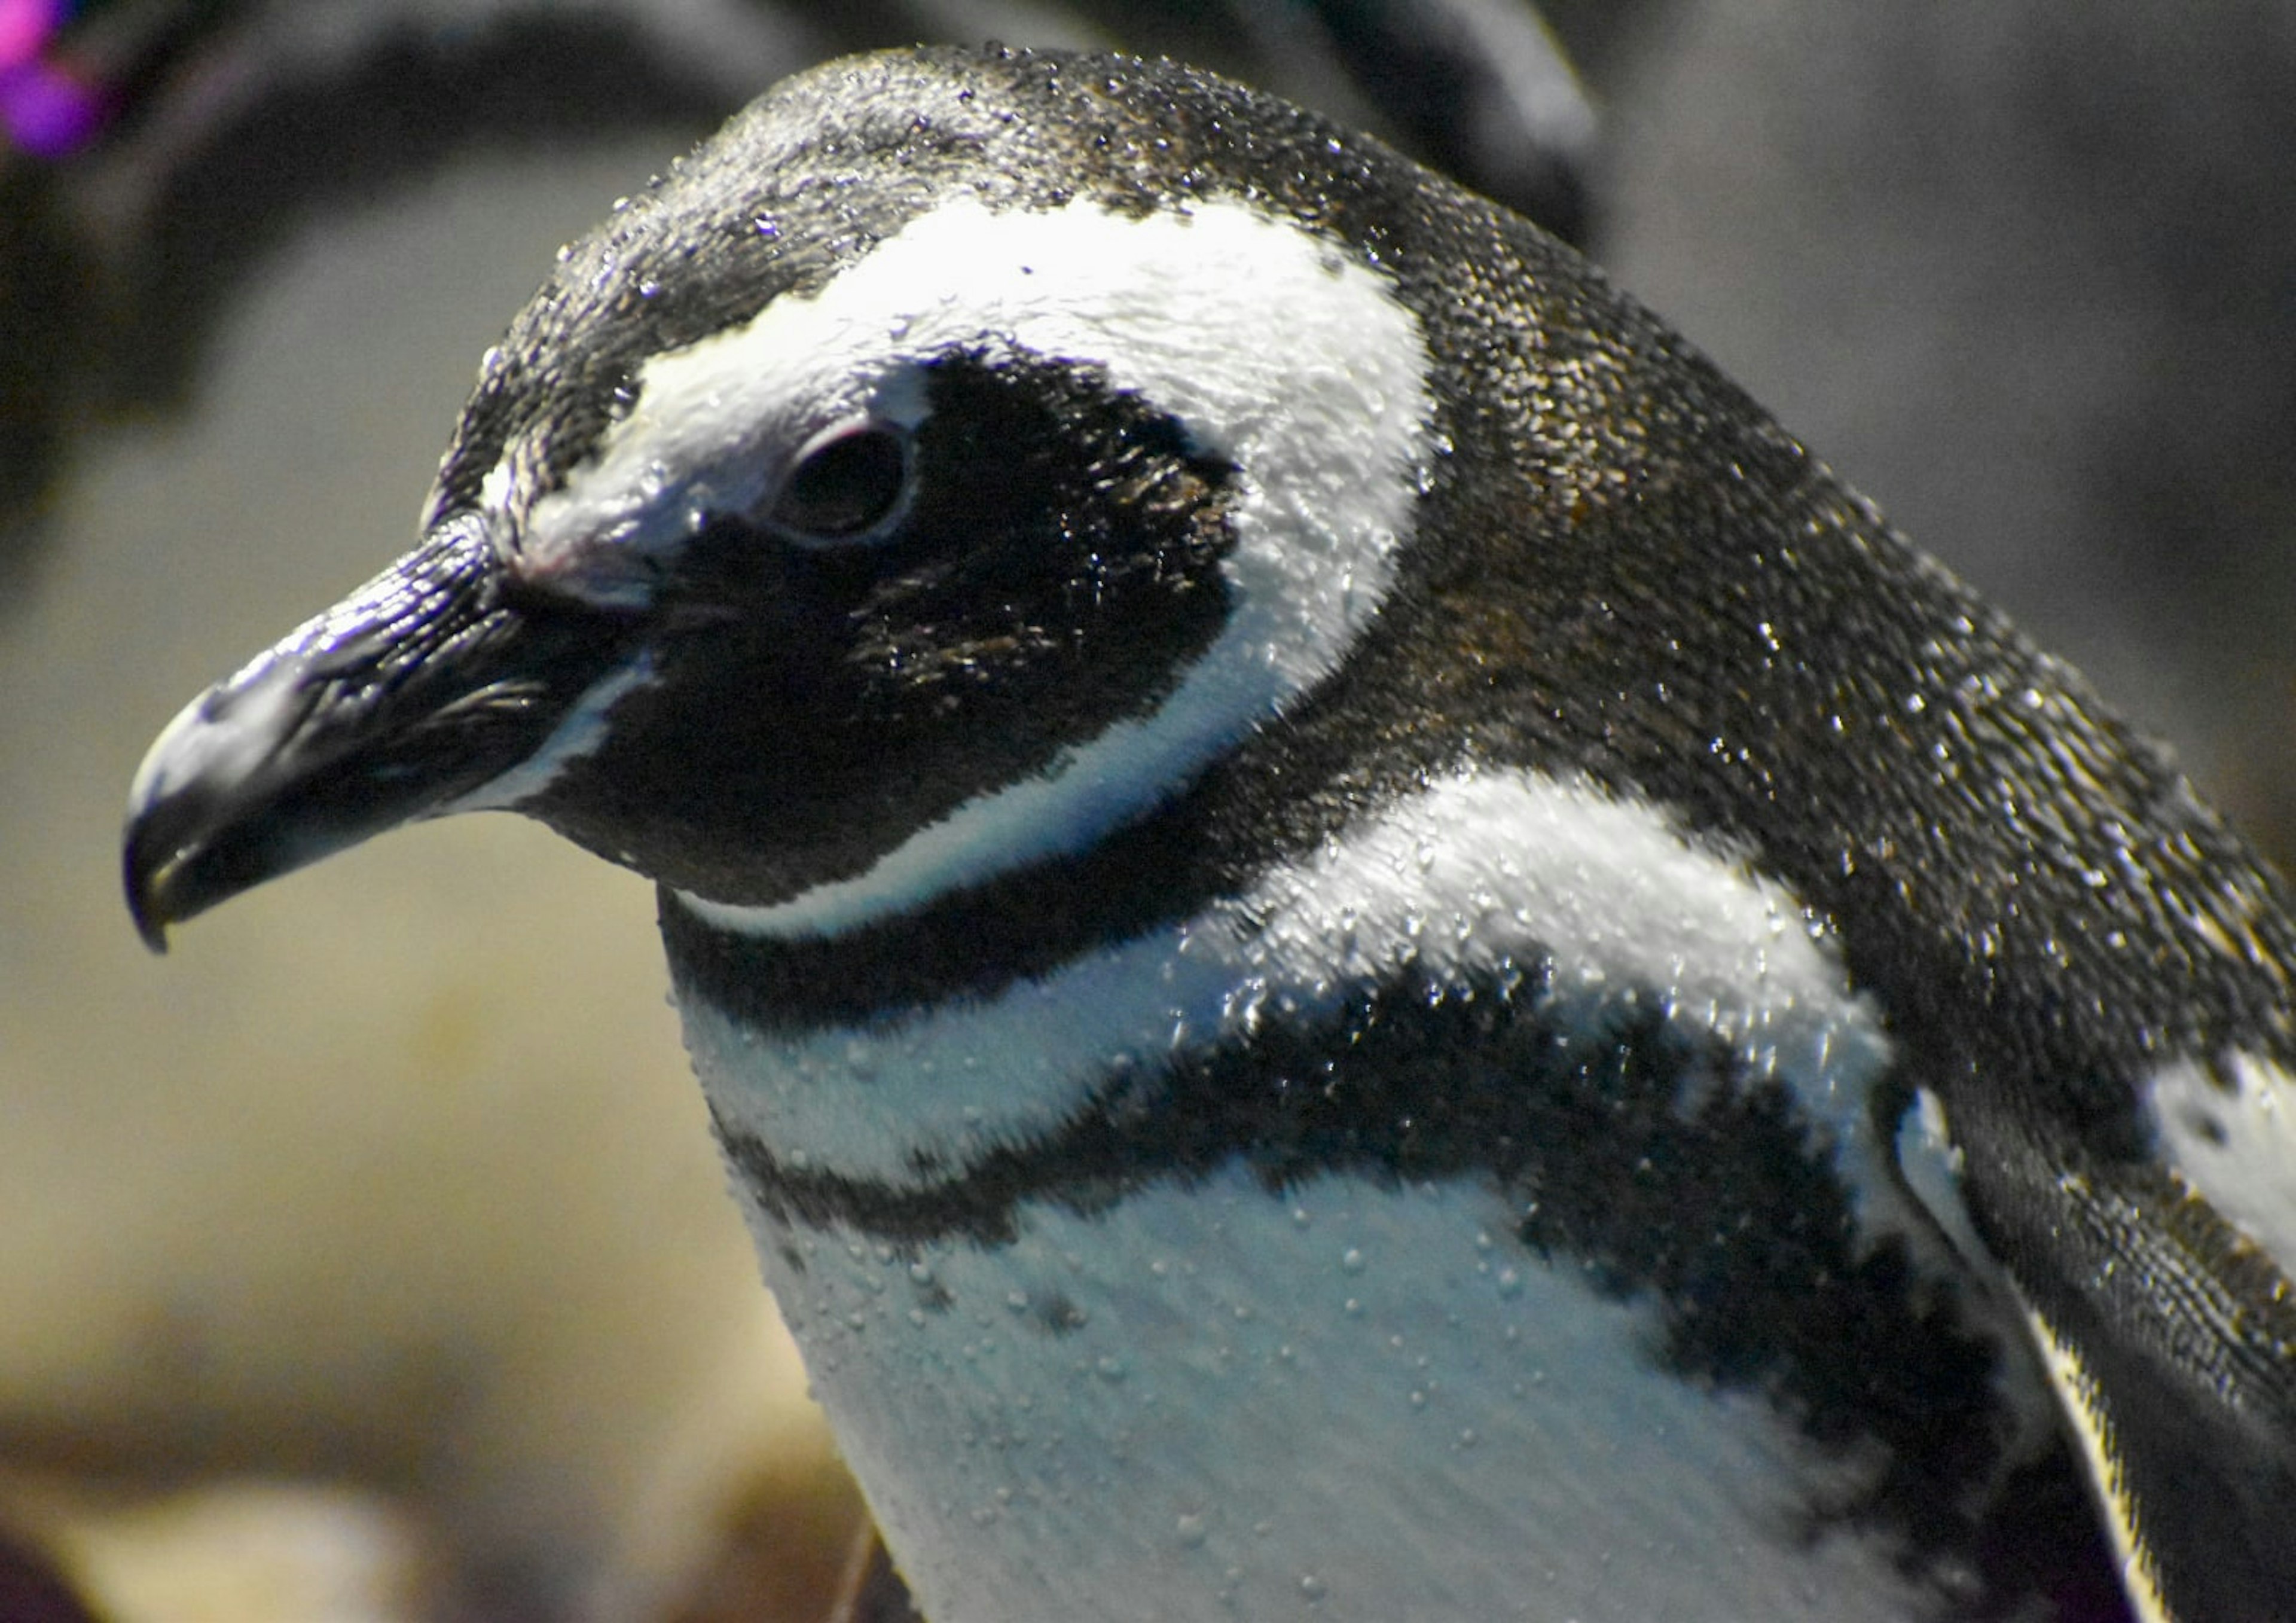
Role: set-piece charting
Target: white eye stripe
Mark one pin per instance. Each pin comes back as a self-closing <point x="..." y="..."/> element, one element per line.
<point x="1302" y="370"/>
<point x="1247" y="330"/>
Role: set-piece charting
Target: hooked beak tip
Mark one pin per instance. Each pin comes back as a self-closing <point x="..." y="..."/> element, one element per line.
<point x="144" y="876"/>
<point x="149" y="924"/>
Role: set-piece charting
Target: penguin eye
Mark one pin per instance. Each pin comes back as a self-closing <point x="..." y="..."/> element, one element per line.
<point x="846" y="484"/>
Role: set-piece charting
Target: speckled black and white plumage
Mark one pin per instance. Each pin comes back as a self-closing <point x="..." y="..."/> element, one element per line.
<point x="1369" y="949"/>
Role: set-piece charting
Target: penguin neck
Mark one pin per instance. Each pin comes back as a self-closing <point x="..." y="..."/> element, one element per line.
<point x="1015" y="1036"/>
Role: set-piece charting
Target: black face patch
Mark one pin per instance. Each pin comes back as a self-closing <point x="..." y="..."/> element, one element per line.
<point x="1056" y="569"/>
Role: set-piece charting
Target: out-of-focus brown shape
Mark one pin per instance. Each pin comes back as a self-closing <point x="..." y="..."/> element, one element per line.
<point x="31" y="1589"/>
<point x="800" y="1549"/>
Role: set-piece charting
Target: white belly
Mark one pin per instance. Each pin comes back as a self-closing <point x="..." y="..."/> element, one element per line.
<point x="1348" y="1403"/>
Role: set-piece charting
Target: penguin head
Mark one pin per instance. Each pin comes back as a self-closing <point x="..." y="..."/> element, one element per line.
<point x="933" y="470"/>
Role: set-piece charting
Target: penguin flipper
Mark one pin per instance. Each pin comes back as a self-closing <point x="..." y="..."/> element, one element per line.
<point x="2169" y="1338"/>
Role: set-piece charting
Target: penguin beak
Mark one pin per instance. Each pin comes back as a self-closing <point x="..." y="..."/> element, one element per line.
<point x="406" y="700"/>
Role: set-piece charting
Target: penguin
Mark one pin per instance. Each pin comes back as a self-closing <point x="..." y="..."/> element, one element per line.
<point x="1361" y="950"/>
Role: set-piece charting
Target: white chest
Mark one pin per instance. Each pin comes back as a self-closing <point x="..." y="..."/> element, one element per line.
<point x="1350" y="1400"/>
<point x="1346" y="1403"/>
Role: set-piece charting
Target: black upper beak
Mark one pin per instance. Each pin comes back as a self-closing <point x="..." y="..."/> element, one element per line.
<point x="404" y="701"/>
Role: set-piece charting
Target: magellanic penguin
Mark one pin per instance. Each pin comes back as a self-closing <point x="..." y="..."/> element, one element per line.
<point x="1362" y="951"/>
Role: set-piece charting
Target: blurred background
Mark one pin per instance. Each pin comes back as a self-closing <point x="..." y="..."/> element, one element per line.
<point x="367" y="1258"/>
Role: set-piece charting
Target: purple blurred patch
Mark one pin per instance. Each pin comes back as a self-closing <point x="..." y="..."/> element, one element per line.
<point x="47" y="111"/>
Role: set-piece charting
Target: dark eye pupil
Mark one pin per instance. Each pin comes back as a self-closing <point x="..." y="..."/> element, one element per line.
<point x="845" y="487"/>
